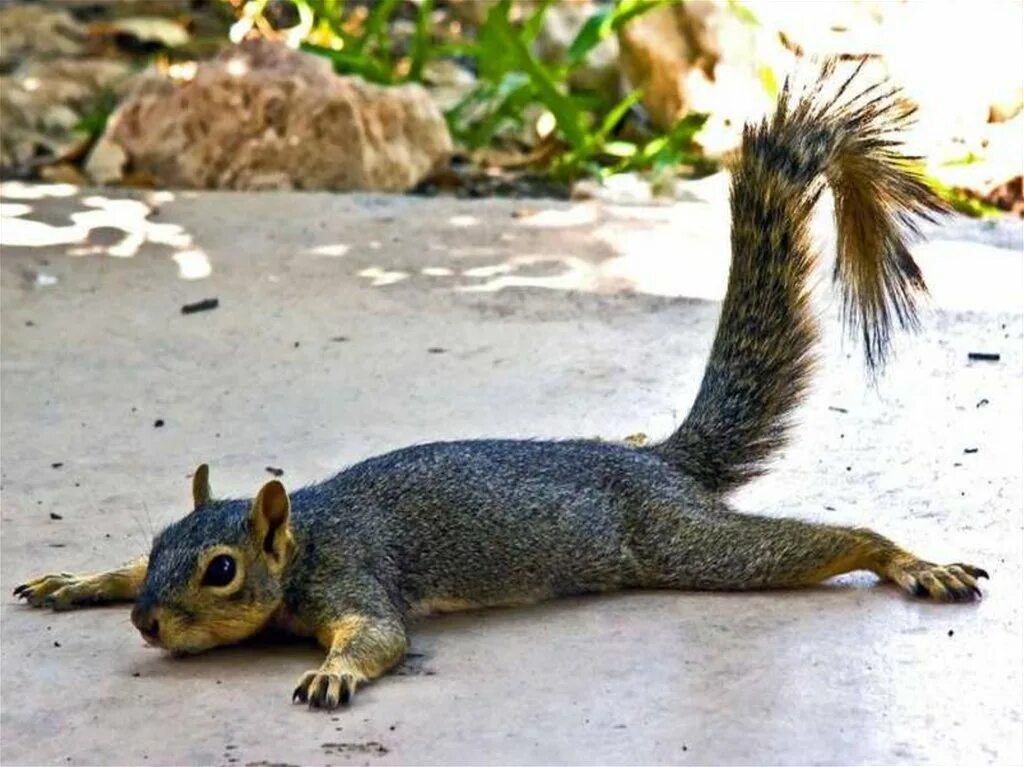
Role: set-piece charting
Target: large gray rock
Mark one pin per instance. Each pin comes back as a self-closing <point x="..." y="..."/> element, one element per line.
<point x="262" y="116"/>
<point x="42" y="103"/>
<point x="32" y="31"/>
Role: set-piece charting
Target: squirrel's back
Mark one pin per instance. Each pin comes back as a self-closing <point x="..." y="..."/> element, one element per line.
<point x="502" y="520"/>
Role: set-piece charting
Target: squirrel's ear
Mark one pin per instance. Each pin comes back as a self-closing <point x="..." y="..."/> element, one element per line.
<point x="268" y="522"/>
<point x="201" y="486"/>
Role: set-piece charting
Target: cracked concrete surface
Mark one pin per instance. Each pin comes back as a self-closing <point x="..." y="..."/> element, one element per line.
<point x="351" y="325"/>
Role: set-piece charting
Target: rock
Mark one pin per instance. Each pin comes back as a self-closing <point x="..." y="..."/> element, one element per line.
<point x="41" y="105"/>
<point x="107" y="162"/>
<point x="263" y="116"/>
<point x="1009" y="196"/>
<point x="599" y="71"/>
<point x="702" y="56"/>
<point x="655" y="59"/>
<point x="36" y="32"/>
<point x="985" y="164"/>
<point x="151" y="29"/>
<point x="447" y="82"/>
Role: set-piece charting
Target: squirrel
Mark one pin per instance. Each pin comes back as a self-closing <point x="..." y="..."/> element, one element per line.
<point x="450" y="526"/>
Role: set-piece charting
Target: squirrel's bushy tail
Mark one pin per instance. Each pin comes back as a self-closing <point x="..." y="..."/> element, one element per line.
<point x="762" y="357"/>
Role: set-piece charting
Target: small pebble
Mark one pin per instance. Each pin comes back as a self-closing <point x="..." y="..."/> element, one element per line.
<point x="200" y="306"/>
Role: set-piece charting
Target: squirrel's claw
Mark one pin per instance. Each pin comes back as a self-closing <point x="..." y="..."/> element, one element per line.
<point x="324" y="689"/>
<point x="60" y="591"/>
<point x="46" y="590"/>
<point x="943" y="583"/>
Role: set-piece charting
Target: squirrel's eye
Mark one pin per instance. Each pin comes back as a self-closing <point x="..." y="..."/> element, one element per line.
<point x="220" y="571"/>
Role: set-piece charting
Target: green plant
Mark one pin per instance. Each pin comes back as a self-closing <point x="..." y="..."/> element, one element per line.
<point x="964" y="202"/>
<point x="94" y="121"/>
<point x="513" y="78"/>
<point x="355" y="45"/>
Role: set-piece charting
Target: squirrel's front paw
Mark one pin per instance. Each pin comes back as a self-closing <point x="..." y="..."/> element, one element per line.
<point x="945" y="583"/>
<point x="325" y="689"/>
<point x="61" y="591"/>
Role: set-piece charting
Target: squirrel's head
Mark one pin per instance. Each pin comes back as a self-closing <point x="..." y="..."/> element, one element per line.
<point x="214" y="577"/>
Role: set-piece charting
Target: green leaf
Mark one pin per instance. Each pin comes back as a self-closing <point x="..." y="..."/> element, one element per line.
<point x="483" y="113"/>
<point x="347" y="62"/>
<point x="494" y="59"/>
<point x="328" y="12"/>
<point x="616" y="113"/>
<point x="963" y="202"/>
<point x="669" y="150"/>
<point x="743" y="13"/>
<point x="682" y="133"/>
<point x="627" y="10"/>
<point x="768" y="81"/>
<point x="531" y="27"/>
<point x="970" y="158"/>
<point x="94" y="121"/>
<point x="620" y="148"/>
<point x="569" y="119"/>
<point x="420" y="48"/>
<point x="456" y="114"/>
<point x="376" y="28"/>
<point x="506" y="109"/>
<point x="593" y="31"/>
<point x="603" y="23"/>
<point x="510" y="83"/>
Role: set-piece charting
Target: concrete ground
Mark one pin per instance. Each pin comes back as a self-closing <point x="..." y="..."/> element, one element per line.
<point x="348" y="325"/>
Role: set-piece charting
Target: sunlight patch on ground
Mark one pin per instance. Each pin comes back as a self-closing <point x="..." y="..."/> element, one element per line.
<point x="13" y="209"/>
<point x="578" y="275"/>
<point x="130" y="217"/>
<point x="577" y="215"/>
<point x="463" y="221"/>
<point x="18" y="190"/>
<point x="993" y="283"/>
<point x="192" y="264"/>
<point x="678" y="250"/>
<point x="667" y="250"/>
<point x="331" y="251"/>
<point x="380" y="277"/>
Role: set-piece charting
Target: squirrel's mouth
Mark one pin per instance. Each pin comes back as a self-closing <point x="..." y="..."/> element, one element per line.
<point x="152" y="641"/>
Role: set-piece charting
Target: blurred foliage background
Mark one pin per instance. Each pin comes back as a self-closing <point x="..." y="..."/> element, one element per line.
<point x="537" y="96"/>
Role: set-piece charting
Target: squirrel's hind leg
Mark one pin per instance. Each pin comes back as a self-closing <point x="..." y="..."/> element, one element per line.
<point x="64" y="591"/>
<point x="726" y="550"/>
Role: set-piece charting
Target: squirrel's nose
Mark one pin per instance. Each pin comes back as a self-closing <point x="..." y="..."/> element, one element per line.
<point x="144" y="621"/>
